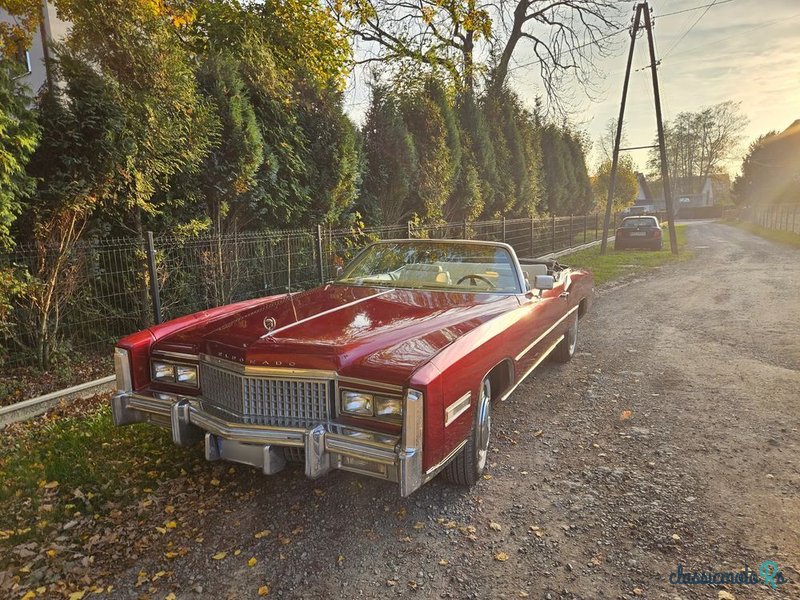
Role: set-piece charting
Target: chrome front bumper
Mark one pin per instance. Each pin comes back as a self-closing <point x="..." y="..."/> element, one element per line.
<point x="323" y="447"/>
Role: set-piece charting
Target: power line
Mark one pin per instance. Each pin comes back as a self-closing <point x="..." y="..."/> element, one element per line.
<point x="622" y="30"/>
<point x="686" y="10"/>
<point x="703" y="14"/>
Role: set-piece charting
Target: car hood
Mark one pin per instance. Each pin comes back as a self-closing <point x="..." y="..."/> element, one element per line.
<point x="372" y="333"/>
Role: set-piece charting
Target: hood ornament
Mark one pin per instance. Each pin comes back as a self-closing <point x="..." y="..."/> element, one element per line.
<point x="269" y="323"/>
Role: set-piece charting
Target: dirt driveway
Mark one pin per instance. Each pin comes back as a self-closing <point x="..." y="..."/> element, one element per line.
<point x="673" y="437"/>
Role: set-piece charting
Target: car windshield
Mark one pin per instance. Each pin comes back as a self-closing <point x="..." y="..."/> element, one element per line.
<point x="640" y="222"/>
<point x="434" y="265"/>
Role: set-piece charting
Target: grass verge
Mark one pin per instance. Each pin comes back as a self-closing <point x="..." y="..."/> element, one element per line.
<point x="787" y="238"/>
<point x="79" y="465"/>
<point x="620" y="263"/>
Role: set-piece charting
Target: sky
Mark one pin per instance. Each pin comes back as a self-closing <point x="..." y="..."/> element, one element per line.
<point x="743" y="50"/>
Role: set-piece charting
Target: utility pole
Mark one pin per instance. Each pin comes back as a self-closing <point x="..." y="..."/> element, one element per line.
<point x="662" y="147"/>
<point x="612" y="184"/>
<point x="641" y="9"/>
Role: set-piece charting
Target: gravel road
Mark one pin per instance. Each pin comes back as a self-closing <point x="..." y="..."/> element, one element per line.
<point x="672" y="437"/>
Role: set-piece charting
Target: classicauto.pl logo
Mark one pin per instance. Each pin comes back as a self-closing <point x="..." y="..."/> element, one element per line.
<point x="768" y="574"/>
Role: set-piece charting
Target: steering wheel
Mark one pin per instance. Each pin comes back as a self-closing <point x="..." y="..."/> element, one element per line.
<point x="474" y="277"/>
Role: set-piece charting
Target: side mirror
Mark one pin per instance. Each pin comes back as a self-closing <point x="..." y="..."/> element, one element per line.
<point x="339" y="271"/>
<point x="544" y="282"/>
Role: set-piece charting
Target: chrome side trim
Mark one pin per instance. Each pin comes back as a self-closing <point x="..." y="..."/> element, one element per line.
<point x="536" y="364"/>
<point x="545" y="334"/>
<point x="434" y="470"/>
<point x="178" y="355"/>
<point x="457" y="408"/>
<point x="323" y="313"/>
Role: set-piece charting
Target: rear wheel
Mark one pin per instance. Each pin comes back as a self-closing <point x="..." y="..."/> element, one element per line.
<point x="566" y="347"/>
<point x="468" y="465"/>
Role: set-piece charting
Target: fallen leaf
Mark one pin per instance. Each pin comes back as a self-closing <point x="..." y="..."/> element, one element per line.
<point x="538" y="433"/>
<point x="77" y="595"/>
<point x="524" y="594"/>
<point x="487" y="477"/>
<point x="625" y="415"/>
<point x="340" y="559"/>
<point x="219" y="555"/>
<point x="51" y="553"/>
<point x="171" y="525"/>
<point x="501" y="556"/>
<point x="170" y="555"/>
<point x="495" y="526"/>
<point x="29" y="595"/>
<point x="444" y="562"/>
<point x="319" y="492"/>
<point x="169" y="596"/>
<point x="214" y="482"/>
<point x="169" y="509"/>
<point x="51" y="486"/>
<point x="723" y="595"/>
<point x="676" y="537"/>
<point x="237" y="552"/>
<point x="263" y="590"/>
<point x="419" y="525"/>
<point x="252" y="562"/>
<point x="262" y="534"/>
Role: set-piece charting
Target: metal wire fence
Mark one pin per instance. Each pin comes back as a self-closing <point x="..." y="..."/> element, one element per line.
<point x="79" y="300"/>
<point x="781" y="217"/>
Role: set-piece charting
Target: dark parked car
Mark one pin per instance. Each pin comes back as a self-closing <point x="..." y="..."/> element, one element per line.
<point x="638" y="232"/>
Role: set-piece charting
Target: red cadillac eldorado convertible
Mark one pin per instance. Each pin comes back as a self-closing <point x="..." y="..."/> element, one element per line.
<point x="389" y="371"/>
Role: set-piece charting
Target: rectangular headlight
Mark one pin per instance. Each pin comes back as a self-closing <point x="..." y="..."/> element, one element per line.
<point x="357" y="403"/>
<point x="186" y="374"/>
<point x="388" y="407"/>
<point x="162" y="371"/>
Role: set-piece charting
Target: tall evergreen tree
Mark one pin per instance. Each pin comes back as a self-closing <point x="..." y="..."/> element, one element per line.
<point x="19" y="135"/>
<point x="391" y="163"/>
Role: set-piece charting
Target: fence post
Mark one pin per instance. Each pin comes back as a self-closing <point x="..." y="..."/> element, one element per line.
<point x="794" y="220"/>
<point x="585" y="218"/>
<point x="504" y="230"/>
<point x="320" y="261"/>
<point x="466" y="235"/>
<point x="532" y="238"/>
<point x="155" y="293"/>
<point x="408" y="228"/>
<point x="570" y="231"/>
<point x="596" y="225"/>
<point x="288" y="263"/>
<point x="553" y="234"/>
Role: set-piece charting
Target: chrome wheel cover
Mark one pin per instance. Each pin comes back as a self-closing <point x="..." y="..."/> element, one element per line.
<point x="483" y="425"/>
<point x="573" y="338"/>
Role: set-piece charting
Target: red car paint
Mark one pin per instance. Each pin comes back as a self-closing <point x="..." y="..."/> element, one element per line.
<point x="440" y="342"/>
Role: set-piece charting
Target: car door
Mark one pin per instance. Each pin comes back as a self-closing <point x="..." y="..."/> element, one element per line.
<point x="543" y="318"/>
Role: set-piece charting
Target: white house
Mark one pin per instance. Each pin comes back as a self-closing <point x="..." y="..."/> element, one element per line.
<point x="51" y="29"/>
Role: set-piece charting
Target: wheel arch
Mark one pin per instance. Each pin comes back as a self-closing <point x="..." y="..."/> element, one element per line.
<point x="501" y="378"/>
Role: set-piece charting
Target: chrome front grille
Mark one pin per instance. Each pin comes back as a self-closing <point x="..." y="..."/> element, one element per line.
<point x="265" y="399"/>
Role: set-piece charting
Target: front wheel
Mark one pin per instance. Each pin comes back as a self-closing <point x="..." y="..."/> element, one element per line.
<point x="468" y="465"/>
<point x="566" y="347"/>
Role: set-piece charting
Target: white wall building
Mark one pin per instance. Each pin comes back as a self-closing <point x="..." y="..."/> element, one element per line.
<point x="52" y="29"/>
